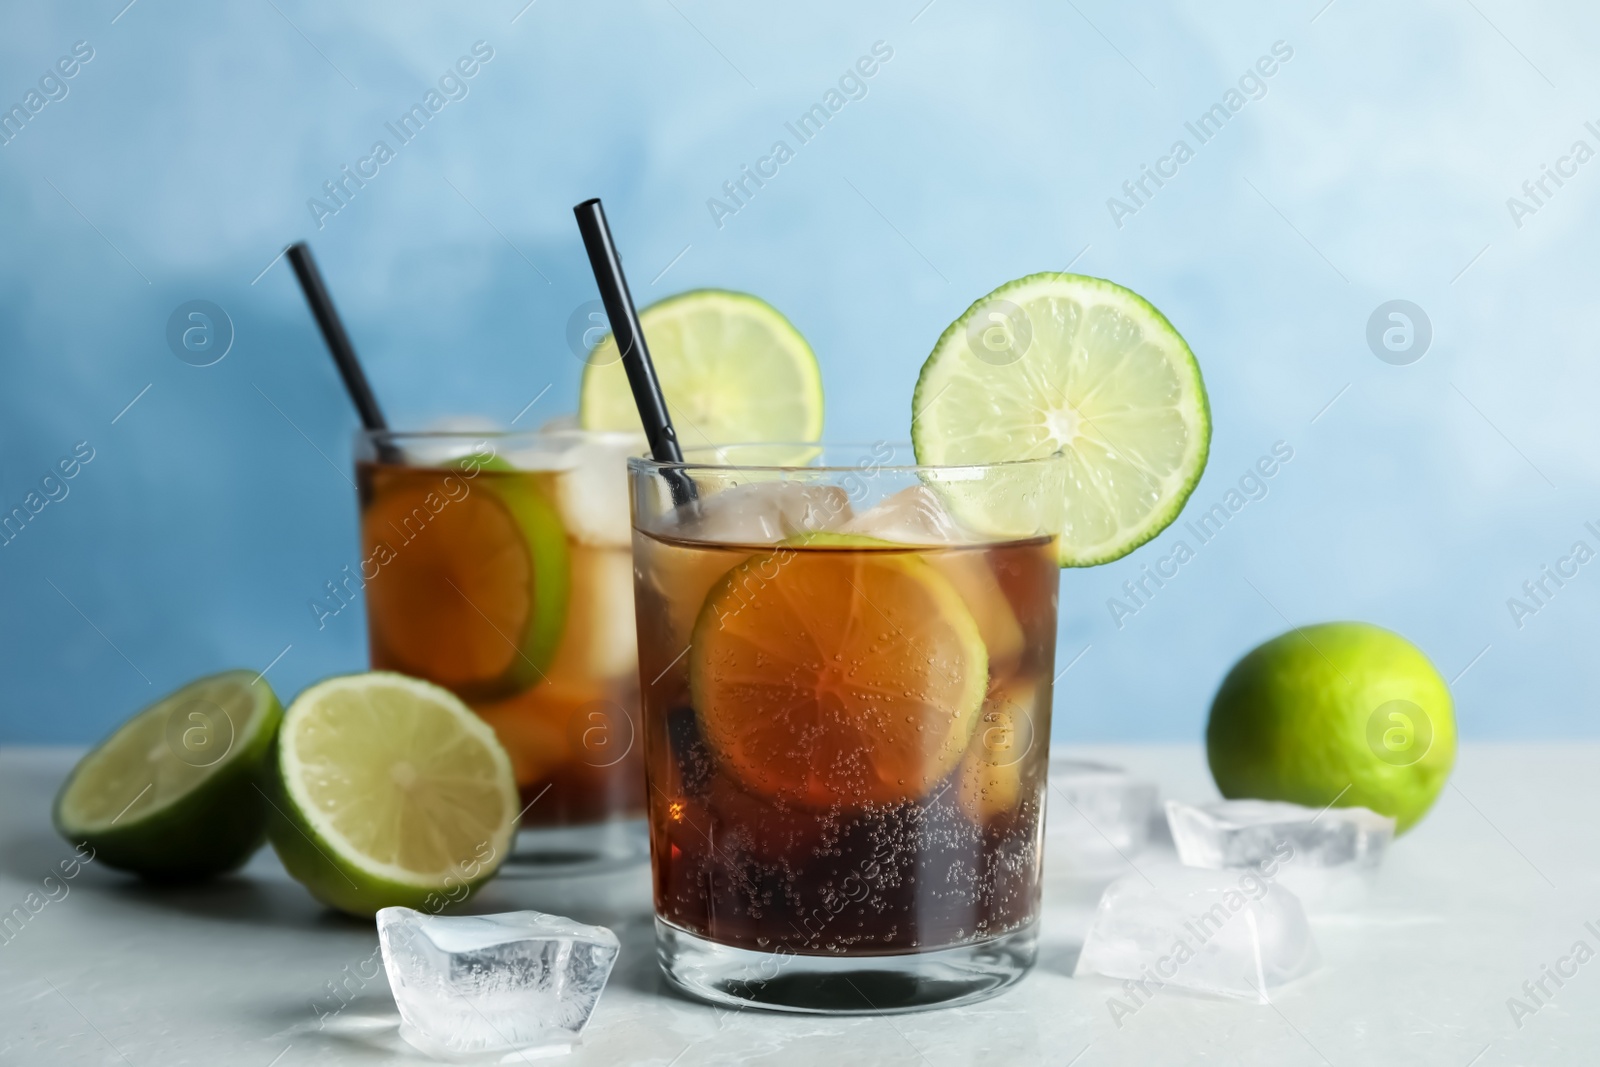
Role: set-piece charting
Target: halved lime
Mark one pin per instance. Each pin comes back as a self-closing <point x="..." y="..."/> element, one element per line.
<point x="1065" y="363"/>
<point x="390" y="791"/>
<point x="172" y="795"/>
<point x="472" y="576"/>
<point x="731" y="366"/>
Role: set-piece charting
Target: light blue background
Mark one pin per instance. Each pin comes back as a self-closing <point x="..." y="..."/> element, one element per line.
<point x="1376" y="167"/>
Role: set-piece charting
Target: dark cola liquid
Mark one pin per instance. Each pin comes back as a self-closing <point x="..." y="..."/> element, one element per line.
<point x="756" y="868"/>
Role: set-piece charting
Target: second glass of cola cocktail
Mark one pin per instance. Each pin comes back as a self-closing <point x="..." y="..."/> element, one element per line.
<point x="846" y="667"/>
<point x="498" y="566"/>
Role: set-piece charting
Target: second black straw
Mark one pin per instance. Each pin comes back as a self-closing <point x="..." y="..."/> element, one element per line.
<point x="624" y="318"/>
<point x="344" y="354"/>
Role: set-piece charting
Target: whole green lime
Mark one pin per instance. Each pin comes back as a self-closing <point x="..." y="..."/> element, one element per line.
<point x="1340" y="713"/>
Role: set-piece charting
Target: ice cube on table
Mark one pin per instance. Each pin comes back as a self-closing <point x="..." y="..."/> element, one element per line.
<point x="913" y="516"/>
<point x="475" y="985"/>
<point x="1327" y="856"/>
<point x="1098" y="814"/>
<point x="1232" y="933"/>
<point x="766" y="512"/>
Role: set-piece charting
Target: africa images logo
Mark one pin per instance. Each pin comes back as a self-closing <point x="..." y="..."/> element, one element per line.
<point x="452" y="85"/>
<point x="852" y="85"/>
<point x="1252" y="85"/>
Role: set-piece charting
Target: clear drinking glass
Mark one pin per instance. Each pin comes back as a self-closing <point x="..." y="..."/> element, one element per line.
<point x="846" y="662"/>
<point x="498" y="565"/>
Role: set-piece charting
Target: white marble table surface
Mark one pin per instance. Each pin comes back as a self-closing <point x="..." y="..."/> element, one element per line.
<point x="1497" y="883"/>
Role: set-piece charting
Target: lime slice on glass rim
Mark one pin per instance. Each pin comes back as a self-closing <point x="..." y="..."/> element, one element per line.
<point x="390" y="791"/>
<point x="731" y="367"/>
<point x="1071" y="364"/>
<point x="172" y="795"/>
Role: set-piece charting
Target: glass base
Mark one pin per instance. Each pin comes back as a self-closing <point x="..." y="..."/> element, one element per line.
<point x="561" y="851"/>
<point x="843" y="985"/>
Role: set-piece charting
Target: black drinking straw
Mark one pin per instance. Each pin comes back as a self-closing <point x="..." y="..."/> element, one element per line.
<point x="624" y="319"/>
<point x="344" y="355"/>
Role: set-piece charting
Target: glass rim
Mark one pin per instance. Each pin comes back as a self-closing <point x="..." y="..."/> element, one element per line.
<point x="392" y="436"/>
<point x="650" y="465"/>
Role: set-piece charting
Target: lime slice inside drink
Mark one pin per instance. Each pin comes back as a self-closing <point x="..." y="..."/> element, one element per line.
<point x="172" y="794"/>
<point x="799" y="656"/>
<point x="1076" y="365"/>
<point x="731" y="367"/>
<point x="390" y="791"/>
<point x="989" y="781"/>
<point x="473" y="579"/>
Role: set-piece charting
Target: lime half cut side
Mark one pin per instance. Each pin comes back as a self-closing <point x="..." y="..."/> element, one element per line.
<point x="173" y="794"/>
<point x="731" y="367"/>
<point x="390" y="792"/>
<point x="1081" y="366"/>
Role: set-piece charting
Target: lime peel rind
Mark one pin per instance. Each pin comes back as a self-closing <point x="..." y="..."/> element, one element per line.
<point x="1295" y="720"/>
<point x="1003" y="405"/>
<point x="332" y="867"/>
<point x="196" y="829"/>
<point x="751" y="375"/>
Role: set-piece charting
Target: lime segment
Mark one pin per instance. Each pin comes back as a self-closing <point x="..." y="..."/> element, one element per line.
<point x="837" y="673"/>
<point x="472" y="581"/>
<point x="172" y="794"/>
<point x="391" y="792"/>
<point x="989" y="781"/>
<point x="1065" y="363"/>
<point x="731" y="366"/>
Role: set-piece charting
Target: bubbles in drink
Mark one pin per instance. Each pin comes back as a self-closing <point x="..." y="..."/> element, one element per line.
<point x="845" y="738"/>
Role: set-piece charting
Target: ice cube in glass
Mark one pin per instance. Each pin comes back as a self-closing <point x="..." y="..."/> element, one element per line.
<point x="913" y="516"/>
<point x="765" y="512"/>
<point x="591" y="487"/>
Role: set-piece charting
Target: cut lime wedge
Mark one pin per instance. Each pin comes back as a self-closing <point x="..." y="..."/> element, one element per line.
<point x="1065" y="363"/>
<point x="172" y="795"/>
<point x="390" y="791"/>
<point x="731" y="366"/>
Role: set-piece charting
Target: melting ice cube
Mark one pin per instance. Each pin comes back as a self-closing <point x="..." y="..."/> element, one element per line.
<point x="1233" y="933"/>
<point x="452" y="444"/>
<point x="1099" y="815"/>
<point x="474" y="985"/>
<point x="589" y="476"/>
<point x="913" y="516"/>
<point x="764" y="513"/>
<point x="592" y="492"/>
<point x="598" y="639"/>
<point x="1326" y="855"/>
